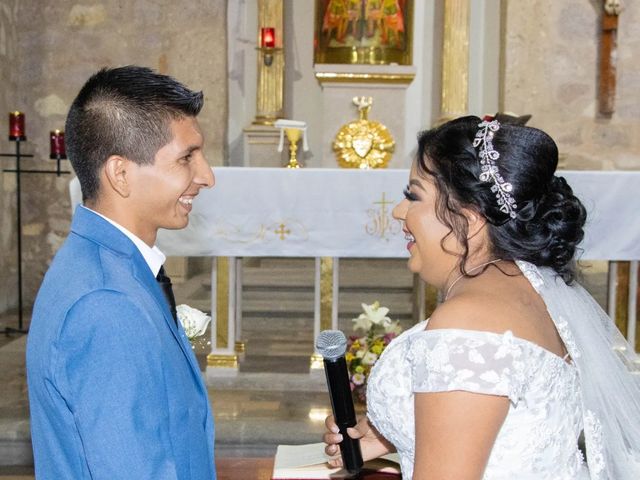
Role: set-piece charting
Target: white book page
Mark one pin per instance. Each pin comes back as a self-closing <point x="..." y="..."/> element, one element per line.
<point x="295" y="456"/>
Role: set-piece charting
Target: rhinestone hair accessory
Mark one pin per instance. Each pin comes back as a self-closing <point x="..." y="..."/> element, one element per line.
<point x="489" y="170"/>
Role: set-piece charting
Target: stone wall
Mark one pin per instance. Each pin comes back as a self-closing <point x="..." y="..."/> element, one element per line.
<point x="8" y="45"/>
<point x="58" y="46"/>
<point x="551" y="54"/>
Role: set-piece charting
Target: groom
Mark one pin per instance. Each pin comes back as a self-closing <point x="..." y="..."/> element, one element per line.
<point x="114" y="388"/>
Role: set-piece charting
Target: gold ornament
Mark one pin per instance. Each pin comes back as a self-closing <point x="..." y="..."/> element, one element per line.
<point x="363" y="143"/>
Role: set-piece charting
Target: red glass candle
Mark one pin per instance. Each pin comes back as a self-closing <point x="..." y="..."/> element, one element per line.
<point x="268" y="37"/>
<point x="16" y="126"/>
<point x="56" y="138"/>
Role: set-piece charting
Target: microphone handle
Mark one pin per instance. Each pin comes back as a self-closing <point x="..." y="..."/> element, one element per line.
<point x="343" y="412"/>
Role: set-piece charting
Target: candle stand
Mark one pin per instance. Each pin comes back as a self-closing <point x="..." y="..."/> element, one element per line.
<point x="19" y="171"/>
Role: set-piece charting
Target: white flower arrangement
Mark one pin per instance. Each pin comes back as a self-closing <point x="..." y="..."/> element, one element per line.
<point x="363" y="351"/>
<point x="194" y="321"/>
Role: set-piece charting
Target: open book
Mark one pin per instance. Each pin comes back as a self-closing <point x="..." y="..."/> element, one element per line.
<point x="309" y="462"/>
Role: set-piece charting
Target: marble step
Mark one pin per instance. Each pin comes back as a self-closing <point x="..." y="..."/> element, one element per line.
<point x="296" y="329"/>
<point x="270" y="302"/>
<point x="359" y="273"/>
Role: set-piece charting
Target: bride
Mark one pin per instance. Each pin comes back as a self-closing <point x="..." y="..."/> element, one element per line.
<point x="518" y="360"/>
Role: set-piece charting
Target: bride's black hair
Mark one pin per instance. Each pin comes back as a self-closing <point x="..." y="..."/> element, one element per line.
<point x="550" y="218"/>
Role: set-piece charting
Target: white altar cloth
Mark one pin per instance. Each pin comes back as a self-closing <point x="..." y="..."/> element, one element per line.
<point x="254" y="212"/>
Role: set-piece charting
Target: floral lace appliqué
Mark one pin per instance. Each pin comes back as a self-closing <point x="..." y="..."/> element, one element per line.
<point x="593" y="440"/>
<point x="567" y="337"/>
<point x="530" y="271"/>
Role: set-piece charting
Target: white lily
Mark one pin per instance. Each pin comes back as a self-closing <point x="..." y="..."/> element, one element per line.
<point x="194" y="321"/>
<point x="376" y="313"/>
<point x="373" y="314"/>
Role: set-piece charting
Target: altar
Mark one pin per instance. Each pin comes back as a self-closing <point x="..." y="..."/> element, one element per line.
<point x="330" y="214"/>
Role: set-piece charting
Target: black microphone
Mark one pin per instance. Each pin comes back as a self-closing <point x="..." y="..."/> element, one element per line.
<point x="332" y="345"/>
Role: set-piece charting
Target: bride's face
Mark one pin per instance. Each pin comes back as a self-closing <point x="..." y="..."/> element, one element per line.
<point x="425" y="232"/>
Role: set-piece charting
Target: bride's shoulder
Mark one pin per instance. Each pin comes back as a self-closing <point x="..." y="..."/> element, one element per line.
<point x="472" y="311"/>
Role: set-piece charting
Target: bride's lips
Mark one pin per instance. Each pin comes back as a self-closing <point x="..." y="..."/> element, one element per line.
<point x="411" y="241"/>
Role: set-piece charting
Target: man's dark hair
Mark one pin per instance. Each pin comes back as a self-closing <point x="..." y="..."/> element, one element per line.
<point x="123" y="111"/>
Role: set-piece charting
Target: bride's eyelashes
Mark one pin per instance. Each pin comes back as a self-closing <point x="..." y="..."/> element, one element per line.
<point x="408" y="195"/>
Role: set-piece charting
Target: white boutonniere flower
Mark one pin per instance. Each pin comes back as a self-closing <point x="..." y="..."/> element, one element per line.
<point x="194" y="321"/>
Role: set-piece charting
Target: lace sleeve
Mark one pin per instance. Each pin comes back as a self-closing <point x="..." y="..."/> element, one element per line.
<point x="473" y="361"/>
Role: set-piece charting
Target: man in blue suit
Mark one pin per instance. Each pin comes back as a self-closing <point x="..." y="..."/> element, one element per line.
<point x="114" y="388"/>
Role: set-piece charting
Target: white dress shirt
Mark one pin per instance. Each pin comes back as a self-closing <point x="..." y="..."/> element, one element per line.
<point x="152" y="255"/>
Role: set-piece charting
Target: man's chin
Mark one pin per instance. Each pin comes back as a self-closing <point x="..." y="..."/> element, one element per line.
<point x="177" y="225"/>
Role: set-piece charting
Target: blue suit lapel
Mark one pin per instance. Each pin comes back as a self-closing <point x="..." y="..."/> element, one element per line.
<point x="144" y="276"/>
<point x="95" y="228"/>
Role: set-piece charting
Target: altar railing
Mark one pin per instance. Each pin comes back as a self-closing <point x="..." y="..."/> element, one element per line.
<point x="333" y="213"/>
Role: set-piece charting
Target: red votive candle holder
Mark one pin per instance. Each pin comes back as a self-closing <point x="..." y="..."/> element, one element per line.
<point x="56" y="138"/>
<point x="16" y="126"/>
<point x="268" y="37"/>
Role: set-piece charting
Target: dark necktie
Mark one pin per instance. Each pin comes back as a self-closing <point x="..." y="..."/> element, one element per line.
<point x="167" y="291"/>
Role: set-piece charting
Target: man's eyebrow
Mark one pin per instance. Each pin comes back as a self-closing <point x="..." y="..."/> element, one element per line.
<point x="189" y="150"/>
<point x="416" y="183"/>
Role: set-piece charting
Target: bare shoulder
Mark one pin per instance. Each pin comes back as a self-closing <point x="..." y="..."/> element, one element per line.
<point x="498" y="304"/>
<point x="472" y="311"/>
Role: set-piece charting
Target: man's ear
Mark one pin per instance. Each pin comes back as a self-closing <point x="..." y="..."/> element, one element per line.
<point x="116" y="170"/>
<point x="476" y="222"/>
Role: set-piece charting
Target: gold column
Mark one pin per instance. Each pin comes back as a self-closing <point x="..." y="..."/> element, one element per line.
<point x="222" y="317"/>
<point x="326" y="304"/>
<point x="269" y="101"/>
<point x="326" y="293"/>
<point x="455" y="60"/>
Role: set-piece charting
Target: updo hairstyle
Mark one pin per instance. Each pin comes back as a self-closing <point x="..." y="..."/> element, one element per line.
<point x="549" y="218"/>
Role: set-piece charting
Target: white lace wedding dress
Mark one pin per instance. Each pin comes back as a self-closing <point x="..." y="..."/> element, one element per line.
<point x="539" y="437"/>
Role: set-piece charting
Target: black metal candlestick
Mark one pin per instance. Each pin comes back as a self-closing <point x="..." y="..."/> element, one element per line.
<point x="18" y="171"/>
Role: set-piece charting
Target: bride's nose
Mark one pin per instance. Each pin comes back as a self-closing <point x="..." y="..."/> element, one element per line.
<point x="400" y="210"/>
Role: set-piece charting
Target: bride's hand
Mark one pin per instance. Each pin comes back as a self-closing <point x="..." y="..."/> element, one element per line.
<point x="372" y="444"/>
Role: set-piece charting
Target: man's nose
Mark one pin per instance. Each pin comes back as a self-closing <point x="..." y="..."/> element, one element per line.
<point x="205" y="176"/>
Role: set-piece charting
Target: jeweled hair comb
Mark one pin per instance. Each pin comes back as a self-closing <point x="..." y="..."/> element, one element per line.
<point x="489" y="171"/>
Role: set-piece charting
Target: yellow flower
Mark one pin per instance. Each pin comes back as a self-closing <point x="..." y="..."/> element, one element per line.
<point x="359" y="369"/>
<point x="349" y="356"/>
<point x="377" y="348"/>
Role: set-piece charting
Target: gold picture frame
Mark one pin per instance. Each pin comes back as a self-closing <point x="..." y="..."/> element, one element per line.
<point x="370" y="32"/>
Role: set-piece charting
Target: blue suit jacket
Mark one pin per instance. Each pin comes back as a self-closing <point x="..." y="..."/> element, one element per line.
<point x="114" y="388"/>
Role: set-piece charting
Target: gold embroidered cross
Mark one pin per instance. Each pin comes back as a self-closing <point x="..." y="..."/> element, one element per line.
<point x="384" y="202"/>
<point x="282" y="231"/>
<point x="381" y="223"/>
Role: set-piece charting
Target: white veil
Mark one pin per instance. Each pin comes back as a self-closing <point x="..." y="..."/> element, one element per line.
<point x="610" y="388"/>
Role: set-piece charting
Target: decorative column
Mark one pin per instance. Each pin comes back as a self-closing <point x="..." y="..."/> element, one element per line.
<point x="269" y="101"/>
<point x="325" y="302"/>
<point x="223" y="359"/>
<point x="454" y="102"/>
<point x="261" y="138"/>
<point x="455" y="60"/>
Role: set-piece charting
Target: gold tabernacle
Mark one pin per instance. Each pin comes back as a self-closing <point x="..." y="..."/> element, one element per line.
<point x="363" y="143"/>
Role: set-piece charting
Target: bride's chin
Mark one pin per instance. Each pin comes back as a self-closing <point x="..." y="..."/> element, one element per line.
<point x="411" y="266"/>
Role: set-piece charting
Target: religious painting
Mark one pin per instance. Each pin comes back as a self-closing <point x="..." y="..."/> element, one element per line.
<point x="376" y="32"/>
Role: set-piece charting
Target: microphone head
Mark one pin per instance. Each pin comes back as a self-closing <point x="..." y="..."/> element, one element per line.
<point x="331" y="344"/>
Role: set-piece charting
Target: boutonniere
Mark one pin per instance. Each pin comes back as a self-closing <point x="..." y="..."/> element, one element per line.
<point x="194" y="322"/>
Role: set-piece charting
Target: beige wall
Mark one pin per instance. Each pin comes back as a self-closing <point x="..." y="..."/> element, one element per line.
<point x="8" y="45"/>
<point x="57" y="46"/>
<point x="551" y="70"/>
